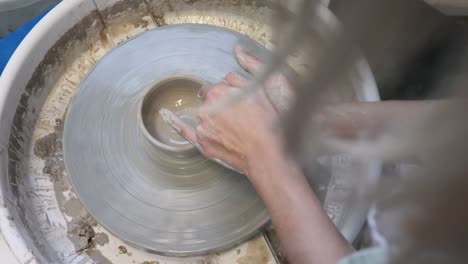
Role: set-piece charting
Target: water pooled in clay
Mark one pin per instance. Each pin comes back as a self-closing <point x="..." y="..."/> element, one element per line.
<point x="178" y="95"/>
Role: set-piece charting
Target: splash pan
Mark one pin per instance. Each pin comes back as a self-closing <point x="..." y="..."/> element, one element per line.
<point x="159" y="197"/>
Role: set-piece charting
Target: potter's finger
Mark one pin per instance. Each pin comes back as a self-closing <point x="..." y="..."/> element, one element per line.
<point x="203" y="137"/>
<point x="216" y="152"/>
<point x="209" y="143"/>
<point x="204" y="90"/>
<point x="235" y="80"/>
<point x="226" y="165"/>
<point x="228" y="159"/>
<point x="180" y="126"/>
<point x="217" y="91"/>
<point x="206" y="87"/>
<point x="250" y="63"/>
<point x="221" y="156"/>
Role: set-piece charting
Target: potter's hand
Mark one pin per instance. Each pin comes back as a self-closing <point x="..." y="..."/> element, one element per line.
<point x="278" y="88"/>
<point x="231" y="135"/>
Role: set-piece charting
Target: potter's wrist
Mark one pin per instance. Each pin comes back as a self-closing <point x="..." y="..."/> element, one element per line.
<point x="260" y="144"/>
<point x="262" y="152"/>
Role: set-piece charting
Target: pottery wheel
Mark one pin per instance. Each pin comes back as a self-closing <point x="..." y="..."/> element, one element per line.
<point x="157" y="200"/>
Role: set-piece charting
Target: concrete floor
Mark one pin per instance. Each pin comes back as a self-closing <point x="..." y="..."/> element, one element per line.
<point x="13" y="19"/>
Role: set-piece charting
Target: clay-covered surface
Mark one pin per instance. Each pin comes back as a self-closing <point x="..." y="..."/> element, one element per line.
<point x="57" y="228"/>
<point x="153" y="198"/>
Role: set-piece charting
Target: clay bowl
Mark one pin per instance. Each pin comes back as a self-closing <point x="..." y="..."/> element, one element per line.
<point x="178" y="94"/>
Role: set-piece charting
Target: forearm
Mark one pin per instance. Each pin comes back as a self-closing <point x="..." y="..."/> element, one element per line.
<point x="306" y="232"/>
<point x="370" y="119"/>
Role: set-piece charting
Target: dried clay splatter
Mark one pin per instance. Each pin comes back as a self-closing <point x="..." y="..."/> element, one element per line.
<point x="101" y="239"/>
<point x="124" y="250"/>
<point x="82" y="234"/>
<point x="257" y="252"/>
<point x="49" y="149"/>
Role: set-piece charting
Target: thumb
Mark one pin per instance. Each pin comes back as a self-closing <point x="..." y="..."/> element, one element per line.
<point x="249" y="62"/>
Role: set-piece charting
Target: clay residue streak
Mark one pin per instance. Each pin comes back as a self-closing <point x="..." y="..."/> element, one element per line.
<point x="257" y="252"/>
